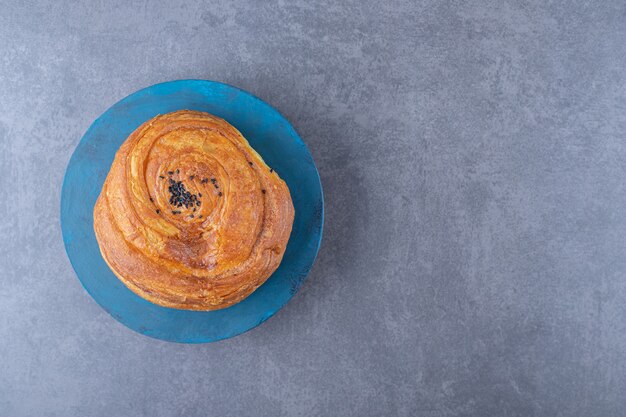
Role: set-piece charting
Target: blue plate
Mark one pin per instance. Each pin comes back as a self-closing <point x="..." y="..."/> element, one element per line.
<point x="269" y="133"/>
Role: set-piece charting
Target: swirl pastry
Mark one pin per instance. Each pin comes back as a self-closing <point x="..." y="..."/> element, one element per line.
<point x="190" y="216"/>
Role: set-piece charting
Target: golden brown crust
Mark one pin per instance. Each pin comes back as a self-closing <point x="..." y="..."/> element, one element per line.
<point x="221" y="246"/>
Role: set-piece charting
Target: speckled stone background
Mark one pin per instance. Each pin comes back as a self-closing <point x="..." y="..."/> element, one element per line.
<point x="473" y="157"/>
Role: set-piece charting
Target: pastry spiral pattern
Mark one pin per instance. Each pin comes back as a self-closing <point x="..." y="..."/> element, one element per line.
<point x="190" y="216"/>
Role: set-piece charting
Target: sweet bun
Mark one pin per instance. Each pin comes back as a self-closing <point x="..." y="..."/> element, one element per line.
<point x="190" y="216"/>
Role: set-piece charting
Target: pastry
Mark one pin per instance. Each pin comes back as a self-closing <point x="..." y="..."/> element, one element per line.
<point x="190" y="216"/>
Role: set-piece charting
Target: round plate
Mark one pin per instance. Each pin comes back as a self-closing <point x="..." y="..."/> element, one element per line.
<point x="269" y="133"/>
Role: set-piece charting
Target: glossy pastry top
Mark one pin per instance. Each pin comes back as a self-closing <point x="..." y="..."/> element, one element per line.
<point x="190" y="216"/>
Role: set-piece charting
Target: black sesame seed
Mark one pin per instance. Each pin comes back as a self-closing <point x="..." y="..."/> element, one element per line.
<point x="170" y="172"/>
<point x="178" y="171"/>
<point x="271" y="170"/>
<point x="191" y="177"/>
<point x="179" y="195"/>
<point x="194" y="209"/>
<point x="220" y="193"/>
<point x="197" y="203"/>
<point x="162" y="177"/>
<point x="199" y="194"/>
<point x="158" y="211"/>
<point x="250" y="163"/>
<point x="151" y="199"/>
<point x="213" y="180"/>
<point x="200" y="216"/>
<point x="216" y="186"/>
<point x="263" y="191"/>
<point x="191" y="215"/>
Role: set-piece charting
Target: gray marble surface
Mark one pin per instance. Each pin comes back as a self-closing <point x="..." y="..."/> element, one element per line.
<point x="473" y="157"/>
